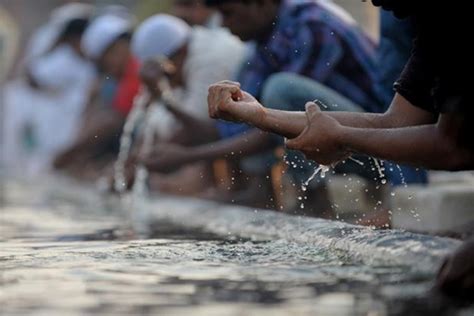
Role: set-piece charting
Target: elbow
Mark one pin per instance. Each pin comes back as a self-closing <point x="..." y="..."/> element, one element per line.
<point x="458" y="153"/>
<point x="455" y="156"/>
<point x="459" y="160"/>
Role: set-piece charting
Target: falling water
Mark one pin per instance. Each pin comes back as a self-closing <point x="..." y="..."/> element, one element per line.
<point x="321" y="169"/>
<point x="357" y="161"/>
<point x="320" y="104"/>
<point x="380" y="170"/>
<point x="136" y="115"/>
<point x="141" y="173"/>
<point x="402" y="176"/>
<point x="140" y="115"/>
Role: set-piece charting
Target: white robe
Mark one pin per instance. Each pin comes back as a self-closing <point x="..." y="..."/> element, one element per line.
<point x="53" y="113"/>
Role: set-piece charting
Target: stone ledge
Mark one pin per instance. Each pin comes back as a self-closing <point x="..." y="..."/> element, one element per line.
<point x="433" y="209"/>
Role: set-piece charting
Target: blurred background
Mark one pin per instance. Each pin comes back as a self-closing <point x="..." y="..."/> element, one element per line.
<point x="19" y="18"/>
<point x="48" y="137"/>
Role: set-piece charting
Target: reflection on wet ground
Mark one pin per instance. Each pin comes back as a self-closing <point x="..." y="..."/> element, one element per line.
<point x="62" y="257"/>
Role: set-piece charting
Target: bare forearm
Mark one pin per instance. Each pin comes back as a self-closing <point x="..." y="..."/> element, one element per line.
<point x="103" y="130"/>
<point x="290" y="124"/>
<point x="252" y="142"/>
<point x="400" y="114"/>
<point x="424" y="146"/>
<point x="201" y="130"/>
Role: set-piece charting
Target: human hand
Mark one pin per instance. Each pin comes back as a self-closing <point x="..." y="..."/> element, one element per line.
<point x="320" y="140"/>
<point x="228" y="102"/>
<point x="456" y="276"/>
<point x="152" y="71"/>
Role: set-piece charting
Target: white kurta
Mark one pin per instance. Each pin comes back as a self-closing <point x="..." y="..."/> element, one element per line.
<point x="52" y="113"/>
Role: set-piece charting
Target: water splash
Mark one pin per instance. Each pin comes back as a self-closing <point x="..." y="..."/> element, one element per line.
<point x="320" y="104"/>
<point x="322" y="169"/>
<point x="380" y="170"/>
<point x="402" y="176"/>
<point x="361" y="163"/>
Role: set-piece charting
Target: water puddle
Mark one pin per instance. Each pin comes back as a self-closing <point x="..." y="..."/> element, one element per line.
<point x="204" y="259"/>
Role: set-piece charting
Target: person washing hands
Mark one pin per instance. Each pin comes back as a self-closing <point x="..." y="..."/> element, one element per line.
<point x="427" y="123"/>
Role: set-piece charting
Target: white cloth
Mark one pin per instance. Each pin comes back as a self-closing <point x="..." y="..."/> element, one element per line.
<point x="118" y="10"/>
<point x="52" y="114"/>
<point x="48" y="34"/>
<point x="160" y="35"/>
<point x="102" y="33"/>
<point x="213" y="55"/>
<point x="214" y="21"/>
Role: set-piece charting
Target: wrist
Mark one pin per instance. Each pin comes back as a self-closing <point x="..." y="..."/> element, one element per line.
<point x="343" y="137"/>
<point x="253" y="117"/>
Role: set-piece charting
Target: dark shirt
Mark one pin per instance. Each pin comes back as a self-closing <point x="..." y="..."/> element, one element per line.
<point x="396" y="40"/>
<point x="438" y="75"/>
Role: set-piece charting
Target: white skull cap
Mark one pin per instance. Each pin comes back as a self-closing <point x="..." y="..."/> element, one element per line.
<point x="103" y="32"/>
<point x="160" y="35"/>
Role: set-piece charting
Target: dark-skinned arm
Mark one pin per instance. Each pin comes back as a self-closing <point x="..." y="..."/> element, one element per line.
<point x="100" y="131"/>
<point x="442" y="145"/>
<point x="197" y="131"/>
<point x="228" y="102"/>
<point x="400" y="114"/>
<point x="168" y="157"/>
<point x="434" y="146"/>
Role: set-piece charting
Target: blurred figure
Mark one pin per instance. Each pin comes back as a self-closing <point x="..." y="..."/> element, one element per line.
<point x="195" y="58"/>
<point x="195" y="12"/>
<point x="119" y="11"/>
<point x="106" y="42"/>
<point x="427" y="124"/>
<point x="43" y="109"/>
<point x="314" y="46"/>
<point x="9" y="37"/>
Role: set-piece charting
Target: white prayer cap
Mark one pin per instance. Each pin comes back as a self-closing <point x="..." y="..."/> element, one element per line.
<point x="48" y="35"/>
<point x="118" y="10"/>
<point x="160" y="35"/>
<point x="102" y="33"/>
<point x="71" y="11"/>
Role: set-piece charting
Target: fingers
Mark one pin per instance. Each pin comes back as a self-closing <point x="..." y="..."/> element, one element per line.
<point x="228" y="82"/>
<point x="297" y="143"/>
<point x="221" y="95"/>
<point x="221" y="87"/>
<point x="311" y="111"/>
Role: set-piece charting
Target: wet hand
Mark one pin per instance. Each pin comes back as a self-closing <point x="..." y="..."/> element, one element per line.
<point x="152" y="71"/>
<point x="320" y="140"/>
<point x="456" y="276"/>
<point x="166" y="158"/>
<point x="228" y="102"/>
